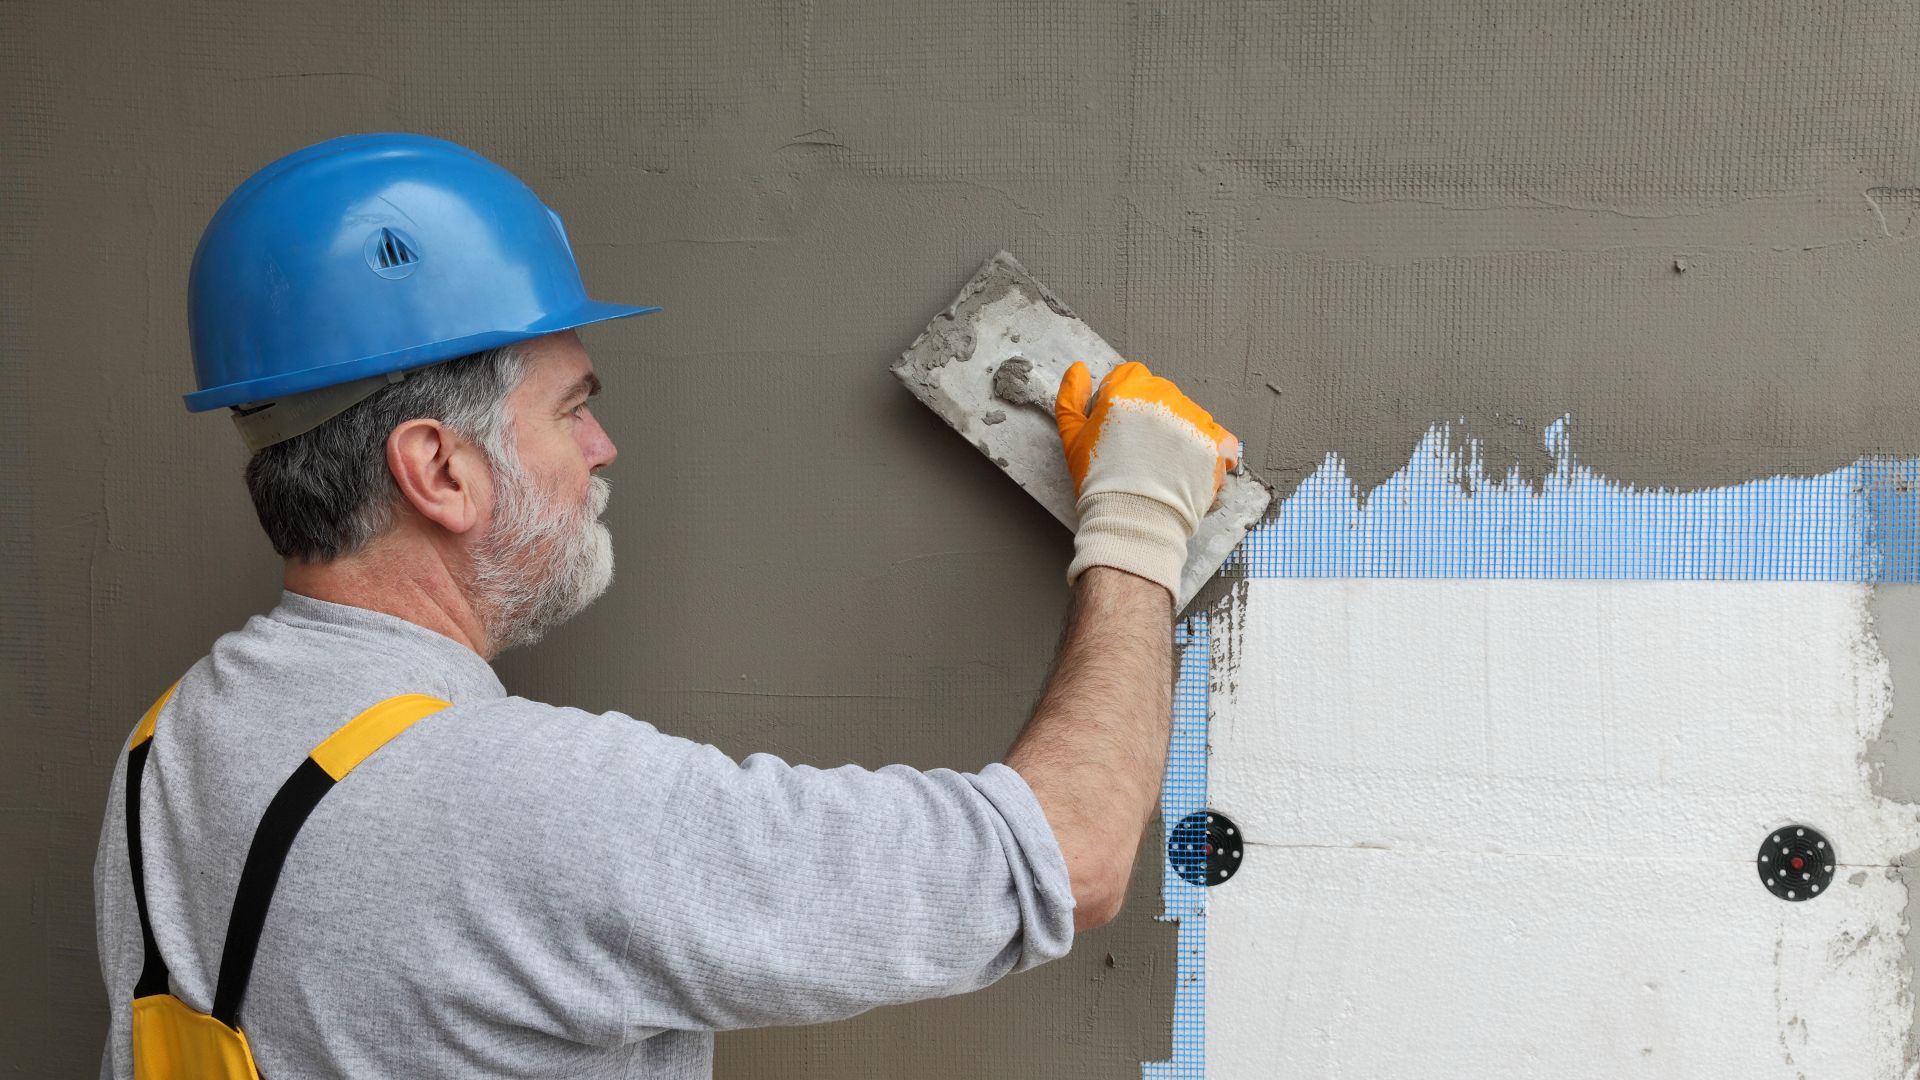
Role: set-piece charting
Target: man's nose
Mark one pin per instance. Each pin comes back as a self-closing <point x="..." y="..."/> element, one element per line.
<point x="600" y="449"/>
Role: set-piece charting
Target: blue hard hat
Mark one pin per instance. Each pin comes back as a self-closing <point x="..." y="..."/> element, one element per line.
<point x="372" y="254"/>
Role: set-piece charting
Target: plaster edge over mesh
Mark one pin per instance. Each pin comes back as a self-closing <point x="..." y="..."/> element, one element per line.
<point x="1441" y="516"/>
<point x="1184" y="791"/>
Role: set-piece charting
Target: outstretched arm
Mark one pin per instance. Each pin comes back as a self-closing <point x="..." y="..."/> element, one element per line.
<point x="1146" y="463"/>
<point x="1097" y="743"/>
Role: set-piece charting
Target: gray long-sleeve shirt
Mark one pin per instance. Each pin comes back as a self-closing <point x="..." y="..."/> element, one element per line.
<point x="517" y="889"/>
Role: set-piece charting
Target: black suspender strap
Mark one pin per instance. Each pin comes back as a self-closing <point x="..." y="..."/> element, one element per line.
<point x="153" y="971"/>
<point x="268" y="853"/>
<point x="325" y="767"/>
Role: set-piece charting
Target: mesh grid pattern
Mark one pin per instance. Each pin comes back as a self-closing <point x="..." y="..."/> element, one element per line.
<point x="1442" y="517"/>
<point x="1183" y="791"/>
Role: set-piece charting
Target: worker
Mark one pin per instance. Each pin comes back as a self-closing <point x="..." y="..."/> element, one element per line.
<point x="349" y="852"/>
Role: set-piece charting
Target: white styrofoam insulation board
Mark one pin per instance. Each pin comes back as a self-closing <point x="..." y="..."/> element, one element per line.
<point x="1508" y="829"/>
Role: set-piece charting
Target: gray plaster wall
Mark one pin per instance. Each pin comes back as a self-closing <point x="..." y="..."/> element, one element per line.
<point x="1683" y="223"/>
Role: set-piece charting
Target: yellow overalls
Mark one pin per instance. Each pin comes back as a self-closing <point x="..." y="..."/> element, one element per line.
<point x="170" y="1040"/>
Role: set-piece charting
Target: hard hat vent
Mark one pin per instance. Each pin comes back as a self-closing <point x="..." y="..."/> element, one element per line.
<point x="391" y="254"/>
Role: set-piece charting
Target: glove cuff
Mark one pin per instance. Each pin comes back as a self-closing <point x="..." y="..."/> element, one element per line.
<point x="1142" y="536"/>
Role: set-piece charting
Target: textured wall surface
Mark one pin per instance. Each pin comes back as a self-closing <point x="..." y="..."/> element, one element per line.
<point x="1683" y="224"/>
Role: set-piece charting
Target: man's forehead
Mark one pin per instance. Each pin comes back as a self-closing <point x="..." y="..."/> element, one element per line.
<point x="560" y="365"/>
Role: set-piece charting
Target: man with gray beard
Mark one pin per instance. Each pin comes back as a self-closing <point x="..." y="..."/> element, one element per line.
<point x="338" y="848"/>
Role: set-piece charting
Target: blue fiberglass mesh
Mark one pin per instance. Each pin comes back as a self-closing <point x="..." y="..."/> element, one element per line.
<point x="1442" y="517"/>
<point x="1182" y="792"/>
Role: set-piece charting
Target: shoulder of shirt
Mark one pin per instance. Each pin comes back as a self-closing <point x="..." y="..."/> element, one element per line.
<point x="523" y="712"/>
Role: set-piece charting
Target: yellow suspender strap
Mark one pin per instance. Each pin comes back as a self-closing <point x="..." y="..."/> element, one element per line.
<point x="370" y="731"/>
<point x="145" y="729"/>
<point x="329" y="762"/>
<point x="325" y="766"/>
<point x="338" y="753"/>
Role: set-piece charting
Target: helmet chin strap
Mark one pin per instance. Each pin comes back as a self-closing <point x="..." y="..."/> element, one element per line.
<point x="263" y="423"/>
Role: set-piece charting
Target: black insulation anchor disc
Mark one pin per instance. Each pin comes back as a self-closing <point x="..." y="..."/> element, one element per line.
<point x="1796" y="862"/>
<point x="1205" y="848"/>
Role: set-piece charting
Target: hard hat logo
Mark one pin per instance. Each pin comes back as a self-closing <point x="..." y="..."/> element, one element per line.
<point x="391" y="254"/>
<point x="463" y="256"/>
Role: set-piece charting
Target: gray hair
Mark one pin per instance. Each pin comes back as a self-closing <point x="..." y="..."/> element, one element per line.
<point x="327" y="492"/>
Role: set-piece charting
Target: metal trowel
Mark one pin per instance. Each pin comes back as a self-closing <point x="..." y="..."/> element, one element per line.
<point x="991" y="364"/>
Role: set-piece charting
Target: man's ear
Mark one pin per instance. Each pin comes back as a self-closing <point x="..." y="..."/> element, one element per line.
<point x="442" y="476"/>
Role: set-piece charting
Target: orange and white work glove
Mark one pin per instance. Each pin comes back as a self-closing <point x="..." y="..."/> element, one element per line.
<point x="1146" y="464"/>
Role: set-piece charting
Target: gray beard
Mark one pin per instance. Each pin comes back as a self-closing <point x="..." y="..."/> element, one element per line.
<point x="539" y="564"/>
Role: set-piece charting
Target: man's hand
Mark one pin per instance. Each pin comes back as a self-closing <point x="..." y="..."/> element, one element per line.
<point x="1146" y="464"/>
